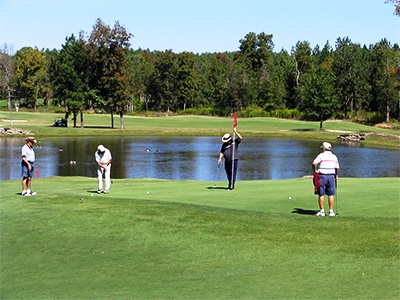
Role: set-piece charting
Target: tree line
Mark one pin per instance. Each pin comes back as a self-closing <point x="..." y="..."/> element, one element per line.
<point x="100" y="72"/>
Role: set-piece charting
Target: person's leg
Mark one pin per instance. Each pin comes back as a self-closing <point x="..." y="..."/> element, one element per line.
<point x="228" y="170"/>
<point x="28" y="183"/>
<point x="321" y="194"/>
<point x="24" y="174"/>
<point x="108" y="179"/>
<point x="99" y="180"/>
<point x="331" y="200"/>
<point x="31" y="173"/>
<point x="24" y="185"/>
<point x="321" y="202"/>
<point x="331" y="191"/>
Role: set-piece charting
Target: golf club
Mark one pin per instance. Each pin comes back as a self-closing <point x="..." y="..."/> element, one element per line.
<point x="336" y="200"/>
<point x="216" y="177"/>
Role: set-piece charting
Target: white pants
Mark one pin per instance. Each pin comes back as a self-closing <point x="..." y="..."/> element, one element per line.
<point x="101" y="173"/>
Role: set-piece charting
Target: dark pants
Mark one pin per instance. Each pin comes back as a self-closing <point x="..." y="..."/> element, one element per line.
<point x="231" y="177"/>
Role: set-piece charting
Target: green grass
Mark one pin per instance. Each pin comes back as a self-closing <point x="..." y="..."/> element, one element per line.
<point x="185" y="240"/>
<point x="39" y="124"/>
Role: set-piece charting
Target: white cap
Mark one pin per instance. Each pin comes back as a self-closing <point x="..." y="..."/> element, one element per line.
<point x="101" y="148"/>
<point x="326" y="146"/>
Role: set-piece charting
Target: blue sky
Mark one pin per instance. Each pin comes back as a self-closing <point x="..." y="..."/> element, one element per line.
<point x="199" y="26"/>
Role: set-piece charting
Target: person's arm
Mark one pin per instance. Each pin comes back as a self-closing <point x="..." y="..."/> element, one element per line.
<point x="221" y="155"/>
<point x="27" y="162"/>
<point x="98" y="161"/>
<point x="315" y="167"/>
<point x="237" y="133"/>
<point x="337" y="169"/>
<point x="109" y="158"/>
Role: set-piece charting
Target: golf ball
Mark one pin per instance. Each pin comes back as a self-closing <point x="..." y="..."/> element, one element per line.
<point x="148" y="192"/>
<point x="290" y="198"/>
<point x="91" y="195"/>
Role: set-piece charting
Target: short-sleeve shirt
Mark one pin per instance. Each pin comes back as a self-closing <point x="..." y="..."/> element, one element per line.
<point x="28" y="152"/>
<point x="231" y="151"/>
<point x="327" y="162"/>
<point x="103" y="157"/>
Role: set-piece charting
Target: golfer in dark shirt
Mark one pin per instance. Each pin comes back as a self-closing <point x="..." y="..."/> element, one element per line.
<point x="229" y="151"/>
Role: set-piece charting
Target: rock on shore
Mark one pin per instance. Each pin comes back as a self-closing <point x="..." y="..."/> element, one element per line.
<point x="14" y="131"/>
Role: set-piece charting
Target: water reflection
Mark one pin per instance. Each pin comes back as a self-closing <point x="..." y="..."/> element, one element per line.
<point x="192" y="158"/>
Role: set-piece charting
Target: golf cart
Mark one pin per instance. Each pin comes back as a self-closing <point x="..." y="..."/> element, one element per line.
<point x="60" y="123"/>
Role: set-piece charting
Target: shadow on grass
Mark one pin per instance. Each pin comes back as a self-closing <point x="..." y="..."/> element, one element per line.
<point x="216" y="188"/>
<point x="303" y="129"/>
<point x="90" y="127"/>
<point x="104" y="127"/>
<point x="301" y="211"/>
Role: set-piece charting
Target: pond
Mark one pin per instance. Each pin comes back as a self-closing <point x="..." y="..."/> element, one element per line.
<point x="192" y="158"/>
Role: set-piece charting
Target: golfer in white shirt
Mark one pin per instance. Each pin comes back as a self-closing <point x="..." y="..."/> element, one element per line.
<point x="327" y="165"/>
<point x="103" y="160"/>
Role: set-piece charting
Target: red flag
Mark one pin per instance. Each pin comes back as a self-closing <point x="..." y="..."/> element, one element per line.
<point x="234" y="119"/>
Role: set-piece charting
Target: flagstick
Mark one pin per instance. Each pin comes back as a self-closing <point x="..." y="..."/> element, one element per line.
<point x="233" y="158"/>
<point x="233" y="149"/>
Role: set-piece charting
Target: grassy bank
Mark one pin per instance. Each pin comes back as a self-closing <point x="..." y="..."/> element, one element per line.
<point x="162" y="239"/>
<point x="40" y="125"/>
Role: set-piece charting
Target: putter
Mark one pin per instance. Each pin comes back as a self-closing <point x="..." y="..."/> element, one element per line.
<point x="336" y="200"/>
<point x="216" y="177"/>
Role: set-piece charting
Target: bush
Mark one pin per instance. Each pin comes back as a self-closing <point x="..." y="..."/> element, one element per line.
<point x="287" y="114"/>
<point x="201" y="111"/>
<point x="369" y="117"/>
<point x="253" y="111"/>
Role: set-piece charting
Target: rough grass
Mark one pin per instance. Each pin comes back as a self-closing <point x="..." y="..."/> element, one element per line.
<point x="186" y="240"/>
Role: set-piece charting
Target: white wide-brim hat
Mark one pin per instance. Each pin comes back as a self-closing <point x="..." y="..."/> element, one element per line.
<point x="226" y="138"/>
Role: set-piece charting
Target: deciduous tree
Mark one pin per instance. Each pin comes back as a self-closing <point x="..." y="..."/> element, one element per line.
<point x="396" y="4"/>
<point x="350" y="75"/>
<point x="70" y="76"/>
<point x="185" y="79"/>
<point x="384" y="78"/>
<point x="6" y="71"/>
<point x="30" y="71"/>
<point x="162" y="87"/>
<point x="109" y="55"/>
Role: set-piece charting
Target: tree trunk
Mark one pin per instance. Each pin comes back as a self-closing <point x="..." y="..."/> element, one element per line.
<point x="297" y="71"/>
<point x="82" y="123"/>
<point x="10" y="105"/>
<point x="112" y="119"/>
<point x="74" y="114"/>
<point x="121" y="119"/>
<point x="398" y="117"/>
<point x="387" y="111"/>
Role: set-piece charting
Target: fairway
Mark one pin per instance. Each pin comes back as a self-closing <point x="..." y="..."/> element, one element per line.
<point x="165" y="239"/>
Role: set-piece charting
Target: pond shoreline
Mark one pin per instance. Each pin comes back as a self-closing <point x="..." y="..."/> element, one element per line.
<point x="40" y="125"/>
<point x="192" y="158"/>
